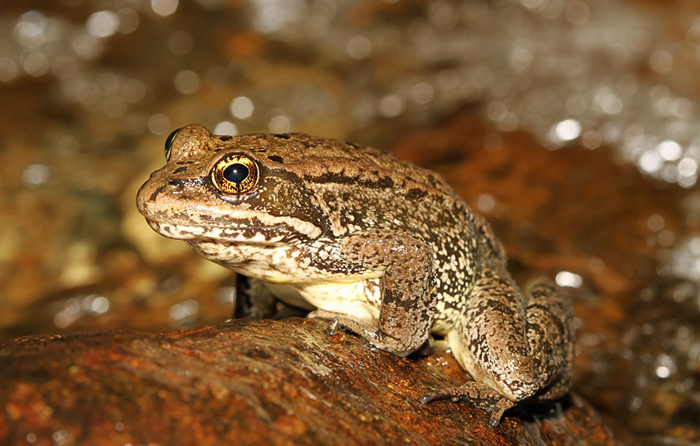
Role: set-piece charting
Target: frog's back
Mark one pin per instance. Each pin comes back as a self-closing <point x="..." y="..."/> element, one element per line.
<point x="322" y="160"/>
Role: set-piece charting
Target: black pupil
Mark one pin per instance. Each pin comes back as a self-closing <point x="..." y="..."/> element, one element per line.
<point x="236" y="173"/>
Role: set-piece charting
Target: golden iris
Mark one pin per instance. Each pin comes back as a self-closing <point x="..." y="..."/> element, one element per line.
<point x="235" y="174"/>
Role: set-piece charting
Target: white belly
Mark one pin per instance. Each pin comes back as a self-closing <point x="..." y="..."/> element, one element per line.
<point x="360" y="299"/>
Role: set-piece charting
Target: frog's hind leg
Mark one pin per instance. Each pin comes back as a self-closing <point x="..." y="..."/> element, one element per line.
<point x="550" y="336"/>
<point x="516" y="348"/>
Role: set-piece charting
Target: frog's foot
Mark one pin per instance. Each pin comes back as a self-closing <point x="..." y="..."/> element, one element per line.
<point x="478" y="395"/>
<point x="368" y="331"/>
<point x="342" y="321"/>
<point x="332" y="317"/>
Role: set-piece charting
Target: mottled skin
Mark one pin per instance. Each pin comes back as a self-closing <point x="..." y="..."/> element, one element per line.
<point x="385" y="249"/>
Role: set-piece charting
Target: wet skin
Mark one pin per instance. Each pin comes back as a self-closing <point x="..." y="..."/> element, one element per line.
<point x="383" y="248"/>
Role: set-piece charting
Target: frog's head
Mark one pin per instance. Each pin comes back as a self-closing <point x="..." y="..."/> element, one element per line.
<point x="231" y="189"/>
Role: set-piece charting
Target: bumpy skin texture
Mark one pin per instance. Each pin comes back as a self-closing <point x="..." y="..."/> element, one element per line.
<point x="384" y="248"/>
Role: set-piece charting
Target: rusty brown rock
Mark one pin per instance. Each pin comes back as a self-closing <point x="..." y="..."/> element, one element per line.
<point x="251" y="382"/>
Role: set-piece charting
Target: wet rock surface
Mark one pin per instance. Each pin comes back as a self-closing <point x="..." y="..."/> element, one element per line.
<point x="252" y="382"/>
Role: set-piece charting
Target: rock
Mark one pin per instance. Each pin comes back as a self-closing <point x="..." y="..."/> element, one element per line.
<point x="252" y="382"/>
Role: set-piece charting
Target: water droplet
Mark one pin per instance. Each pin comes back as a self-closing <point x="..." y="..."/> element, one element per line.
<point x="280" y="124"/>
<point x="186" y="81"/>
<point x="226" y="128"/>
<point x="96" y="304"/>
<point x="568" y="279"/>
<point x="164" y="7"/>
<point x="391" y="105"/>
<point x="521" y="58"/>
<point x="36" y="64"/>
<point x="650" y="162"/>
<point x="669" y="150"/>
<point x="102" y="24"/>
<point x="486" y="203"/>
<point x="592" y="139"/>
<point x="423" y="92"/>
<point x="30" y="25"/>
<point x="159" y="124"/>
<point x="70" y="313"/>
<point x="242" y="107"/>
<point x="35" y="175"/>
<point x="665" y="366"/>
<point x="128" y="20"/>
<point x="180" y="43"/>
<point x="60" y="437"/>
<point x="359" y="47"/>
<point x="184" y="313"/>
<point x="568" y="129"/>
<point x="656" y="222"/>
<point x="577" y="13"/>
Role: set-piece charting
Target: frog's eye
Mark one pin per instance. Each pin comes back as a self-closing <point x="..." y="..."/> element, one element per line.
<point x="235" y="174"/>
<point x="169" y="144"/>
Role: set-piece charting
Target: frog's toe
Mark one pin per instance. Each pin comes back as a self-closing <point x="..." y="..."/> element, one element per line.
<point x="428" y="397"/>
<point x="498" y="410"/>
<point x="495" y="420"/>
<point x="450" y="393"/>
<point x="333" y="327"/>
<point x="321" y="314"/>
<point x="476" y="394"/>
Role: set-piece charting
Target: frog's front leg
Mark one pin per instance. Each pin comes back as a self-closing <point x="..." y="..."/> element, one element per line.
<point x="252" y="299"/>
<point x="408" y="296"/>
<point x="515" y="347"/>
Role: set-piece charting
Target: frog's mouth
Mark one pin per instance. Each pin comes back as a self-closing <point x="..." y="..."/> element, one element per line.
<point x="279" y="233"/>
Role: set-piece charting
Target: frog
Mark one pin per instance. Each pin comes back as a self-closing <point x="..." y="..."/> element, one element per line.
<point x="380" y="247"/>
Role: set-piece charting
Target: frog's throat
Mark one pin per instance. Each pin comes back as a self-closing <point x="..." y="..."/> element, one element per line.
<point x="269" y="235"/>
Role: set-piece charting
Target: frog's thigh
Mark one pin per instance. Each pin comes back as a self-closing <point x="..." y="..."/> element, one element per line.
<point x="518" y="346"/>
<point x="408" y="298"/>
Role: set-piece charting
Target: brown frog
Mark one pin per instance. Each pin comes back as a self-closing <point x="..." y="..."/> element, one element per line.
<point x="383" y="248"/>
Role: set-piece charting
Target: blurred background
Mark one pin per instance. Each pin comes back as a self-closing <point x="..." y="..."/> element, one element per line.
<point x="571" y="124"/>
